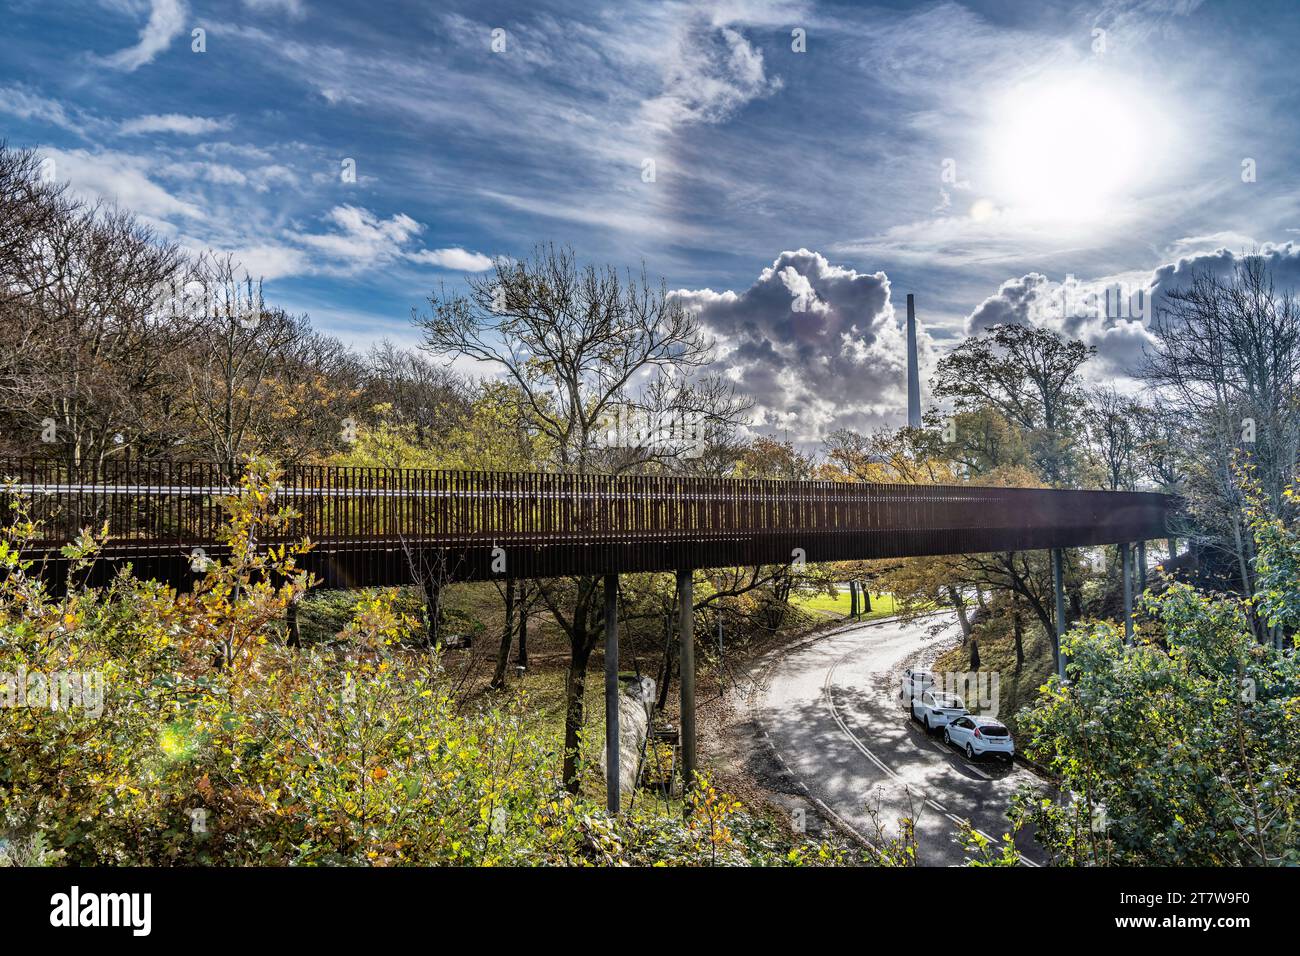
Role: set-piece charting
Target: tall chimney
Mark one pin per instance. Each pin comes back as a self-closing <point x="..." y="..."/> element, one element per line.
<point x="913" y="375"/>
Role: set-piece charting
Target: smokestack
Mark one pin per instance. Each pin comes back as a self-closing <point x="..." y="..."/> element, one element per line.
<point x="913" y="375"/>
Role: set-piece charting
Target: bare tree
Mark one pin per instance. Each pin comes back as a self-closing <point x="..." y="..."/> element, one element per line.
<point x="581" y="345"/>
<point x="428" y="395"/>
<point x="82" y="373"/>
<point x="576" y="342"/>
<point x="1225" y="362"/>
<point x="1111" y="422"/>
<point x="32" y="206"/>
<point x="253" y="378"/>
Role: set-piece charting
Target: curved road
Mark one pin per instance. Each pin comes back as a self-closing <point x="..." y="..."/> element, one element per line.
<point x="830" y="710"/>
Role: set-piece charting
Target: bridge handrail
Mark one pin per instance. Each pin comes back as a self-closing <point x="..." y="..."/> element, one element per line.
<point x="146" y="501"/>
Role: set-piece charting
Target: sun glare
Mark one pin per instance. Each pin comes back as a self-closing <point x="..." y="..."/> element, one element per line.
<point x="1067" y="148"/>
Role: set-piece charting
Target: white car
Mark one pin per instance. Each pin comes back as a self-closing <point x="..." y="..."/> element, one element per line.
<point x="980" y="735"/>
<point x="914" y="684"/>
<point x="936" y="709"/>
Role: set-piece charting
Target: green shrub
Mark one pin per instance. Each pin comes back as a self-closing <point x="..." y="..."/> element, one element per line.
<point x="219" y="744"/>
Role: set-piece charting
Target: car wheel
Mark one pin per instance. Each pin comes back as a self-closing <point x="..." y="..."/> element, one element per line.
<point x="928" y="729"/>
<point x="947" y="737"/>
<point x="970" y="752"/>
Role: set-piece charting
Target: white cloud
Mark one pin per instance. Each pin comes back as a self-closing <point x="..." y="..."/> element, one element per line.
<point x="294" y="9"/>
<point x="455" y="258"/>
<point x="1114" y="313"/>
<point x="19" y="103"/>
<point x="707" y="76"/>
<point x="1110" y="314"/>
<point x="120" y="178"/>
<point x="166" y="22"/>
<point x="218" y="173"/>
<point x="817" y="345"/>
<point x="362" y="238"/>
<point x="174" y="123"/>
<point x="272" y="261"/>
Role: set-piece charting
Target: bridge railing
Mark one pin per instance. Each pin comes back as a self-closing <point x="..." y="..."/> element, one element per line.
<point x="642" y="522"/>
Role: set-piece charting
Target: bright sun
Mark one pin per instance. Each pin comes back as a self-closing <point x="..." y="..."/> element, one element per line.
<point x="1067" y="148"/>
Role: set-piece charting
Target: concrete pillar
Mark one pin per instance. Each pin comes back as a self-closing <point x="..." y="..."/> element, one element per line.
<point x="1058" y="586"/>
<point x="611" y="693"/>
<point x="1126" y="552"/>
<point x="686" y="634"/>
<point x="521" y="662"/>
<point x="1142" y="567"/>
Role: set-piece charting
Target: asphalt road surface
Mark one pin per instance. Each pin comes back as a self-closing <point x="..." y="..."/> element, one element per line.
<point x="831" y="712"/>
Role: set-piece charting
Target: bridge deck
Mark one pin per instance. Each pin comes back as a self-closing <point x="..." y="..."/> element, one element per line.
<point x="372" y="526"/>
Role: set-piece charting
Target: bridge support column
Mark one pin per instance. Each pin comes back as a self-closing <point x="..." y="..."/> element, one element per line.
<point x="686" y="635"/>
<point x="1126" y="554"/>
<point x="1058" y="586"/>
<point x="1142" y="566"/>
<point x="521" y="661"/>
<point x="611" y="693"/>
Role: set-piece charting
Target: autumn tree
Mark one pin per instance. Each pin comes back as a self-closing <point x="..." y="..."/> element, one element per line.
<point x="1028" y="376"/>
<point x="253" y="379"/>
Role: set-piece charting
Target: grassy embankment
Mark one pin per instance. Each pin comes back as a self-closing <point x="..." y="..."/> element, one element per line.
<point x="477" y="610"/>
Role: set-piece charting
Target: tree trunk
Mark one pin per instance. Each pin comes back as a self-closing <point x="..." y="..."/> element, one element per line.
<point x="1246" y="584"/>
<point x="575" y="686"/>
<point x="291" y="619"/>
<point x="432" y="599"/>
<point x="974" y="654"/>
<point x="866" y="599"/>
<point x="666" y="672"/>
<point x="1018" y="630"/>
<point x="507" y="634"/>
<point x="959" y="606"/>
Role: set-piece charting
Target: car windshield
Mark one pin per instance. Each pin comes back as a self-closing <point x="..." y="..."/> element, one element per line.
<point x="994" y="730"/>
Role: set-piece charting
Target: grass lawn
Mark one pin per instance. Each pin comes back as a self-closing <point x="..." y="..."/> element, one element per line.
<point x="882" y="605"/>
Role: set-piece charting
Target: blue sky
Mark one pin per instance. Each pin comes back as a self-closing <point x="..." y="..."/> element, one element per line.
<point x="989" y="157"/>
